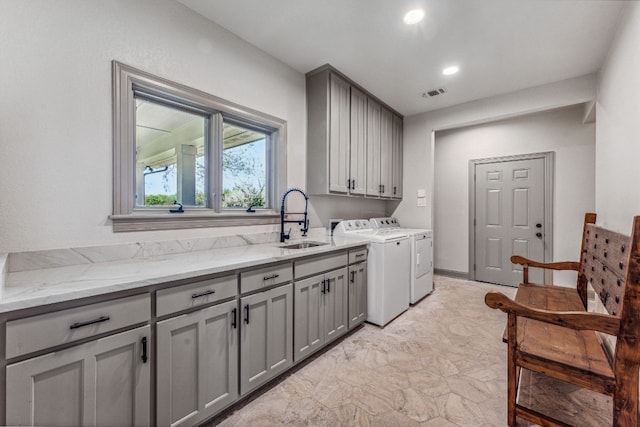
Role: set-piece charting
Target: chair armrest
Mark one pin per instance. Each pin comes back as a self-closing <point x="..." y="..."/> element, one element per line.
<point x="526" y="263"/>
<point x="564" y="265"/>
<point x="578" y="320"/>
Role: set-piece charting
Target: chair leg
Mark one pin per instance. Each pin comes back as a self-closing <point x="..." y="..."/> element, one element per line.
<point x="625" y="402"/>
<point x="513" y="371"/>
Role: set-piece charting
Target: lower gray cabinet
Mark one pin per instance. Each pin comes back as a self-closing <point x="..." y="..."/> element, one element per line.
<point x="357" y="294"/>
<point x="197" y="364"/>
<point x="266" y="336"/>
<point x="105" y="382"/>
<point x="321" y="311"/>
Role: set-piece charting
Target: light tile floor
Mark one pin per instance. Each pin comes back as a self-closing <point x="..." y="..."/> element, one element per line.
<point x="440" y="364"/>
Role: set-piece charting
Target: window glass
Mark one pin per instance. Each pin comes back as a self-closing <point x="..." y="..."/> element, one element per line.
<point x="170" y="156"/>
<point x="244" y="167"/>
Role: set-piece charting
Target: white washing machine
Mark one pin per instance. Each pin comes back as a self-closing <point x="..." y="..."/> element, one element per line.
<point x="388" y="269"/>
<point x="421" y="256"/>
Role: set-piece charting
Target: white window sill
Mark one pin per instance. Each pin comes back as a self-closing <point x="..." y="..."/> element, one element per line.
<point x="190" y="219"/>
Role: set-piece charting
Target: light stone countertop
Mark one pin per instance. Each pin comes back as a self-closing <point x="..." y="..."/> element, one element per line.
<point x="32" y="288"/>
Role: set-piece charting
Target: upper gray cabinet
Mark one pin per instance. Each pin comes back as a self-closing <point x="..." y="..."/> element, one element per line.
<point x="350" y="139"/>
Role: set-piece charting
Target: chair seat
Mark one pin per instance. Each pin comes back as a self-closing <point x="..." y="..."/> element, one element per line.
<point x="576" y="350"/>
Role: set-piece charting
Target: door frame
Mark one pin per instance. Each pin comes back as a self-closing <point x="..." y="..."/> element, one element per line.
<point x="549" y="162"/>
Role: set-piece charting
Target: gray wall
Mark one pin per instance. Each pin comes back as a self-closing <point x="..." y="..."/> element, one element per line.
<point x="561" y="131"/>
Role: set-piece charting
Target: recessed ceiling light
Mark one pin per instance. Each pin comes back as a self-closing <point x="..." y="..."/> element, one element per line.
<point x="413" y="17"/>
<point x="450" y="70"/>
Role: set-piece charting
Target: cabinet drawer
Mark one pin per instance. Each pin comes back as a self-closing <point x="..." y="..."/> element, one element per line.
<point x="319" y="264"/>
<point x="264" y="277"/>
<point x="194" y="294"/>
<point x="357" y="255"/>
<point x="65" y="326"/>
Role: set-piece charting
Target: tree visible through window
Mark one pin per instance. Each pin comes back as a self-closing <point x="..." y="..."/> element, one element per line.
<point x="244" y="168"/>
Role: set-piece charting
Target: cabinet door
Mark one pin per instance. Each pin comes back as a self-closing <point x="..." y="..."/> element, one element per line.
<point x="336" y="313"/>
<point x="100" y="383"/>
<point x="266" y="336"/>
<point x="373" y="148"/>
<point x="357" y="294"/>
<point x="197" y="364"/>
<point x="309" y="316"/>
<point x="386" y="154"/>
<point x="397" y="158"/>
<point x="339" y="134"/>
<point x="358" y="147"/>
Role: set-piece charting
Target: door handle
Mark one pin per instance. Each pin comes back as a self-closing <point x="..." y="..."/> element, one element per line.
<point x="144" y="350"/>
<point x="538" y="225"/>
<point x="539" y="235"/>
<point x="234" y="323"/>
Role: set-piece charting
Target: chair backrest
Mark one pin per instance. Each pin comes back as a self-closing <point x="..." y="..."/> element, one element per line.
<point x="627" y="354"/>
<point x="603" y="263"/>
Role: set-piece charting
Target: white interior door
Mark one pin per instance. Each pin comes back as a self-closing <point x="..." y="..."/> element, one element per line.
<point x="509" y="218"/>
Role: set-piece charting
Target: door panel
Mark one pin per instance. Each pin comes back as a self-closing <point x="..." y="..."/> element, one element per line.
<point x="340" y="128"/>
<point x="358" y="148"/>
<point x="509" y="203"/>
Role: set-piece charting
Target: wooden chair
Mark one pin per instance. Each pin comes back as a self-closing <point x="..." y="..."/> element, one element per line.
<point x="550" y="332"/>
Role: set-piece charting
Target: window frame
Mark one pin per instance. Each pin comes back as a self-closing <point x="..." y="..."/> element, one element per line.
<point x="127" y="82"/>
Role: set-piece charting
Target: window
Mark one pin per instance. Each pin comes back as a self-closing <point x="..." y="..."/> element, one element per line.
<point x="184" y="158"/>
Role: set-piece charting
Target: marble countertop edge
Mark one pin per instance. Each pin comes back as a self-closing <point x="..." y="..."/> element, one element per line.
<point x="33" y="288"/>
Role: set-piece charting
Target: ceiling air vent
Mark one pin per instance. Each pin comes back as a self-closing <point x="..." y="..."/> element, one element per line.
<point x="432" y="93"/>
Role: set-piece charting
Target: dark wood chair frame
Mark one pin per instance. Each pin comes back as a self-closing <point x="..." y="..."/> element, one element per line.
<point x="610" y="262"/>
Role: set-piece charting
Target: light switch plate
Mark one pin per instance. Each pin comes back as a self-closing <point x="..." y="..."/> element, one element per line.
<point x="422" y="193"/>
<point x="422" y="201"/>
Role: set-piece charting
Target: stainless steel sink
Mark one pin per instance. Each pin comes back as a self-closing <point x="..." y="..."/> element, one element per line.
<point x="303" y="245"/>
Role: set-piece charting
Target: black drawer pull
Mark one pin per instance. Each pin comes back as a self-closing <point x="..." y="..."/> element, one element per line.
<point x="246" y="314"/>
<point x="202" y="294"/>
<point x="90" y="322"/>
<point x="359" y="255"/>
<point x="234" y="323"/>
<point x="328" y="285"/>
<point x="273" y="276"/>
<point x="353" y="277"/>
<point x="144" y="350"/>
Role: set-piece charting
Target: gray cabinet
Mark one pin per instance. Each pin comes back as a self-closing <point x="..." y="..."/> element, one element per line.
<point x="396" y="140"/>
<point x="374" y="116"/>
<point x="357" y="294"/>
<point x="266" y="336"/>
<point x="339" y="134"/>
<point x="384" y="149"/>
<point x="105" y="382"/>
<point x="321" y="306"/>
<point x="197" y="364"/>
<point x="358" y="146"/>
<point x="349" y="138"/>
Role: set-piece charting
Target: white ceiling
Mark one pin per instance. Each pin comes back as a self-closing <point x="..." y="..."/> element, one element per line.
<point x="500" y="45"/>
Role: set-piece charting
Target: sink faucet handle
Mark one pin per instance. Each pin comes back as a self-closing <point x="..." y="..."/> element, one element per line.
<point x="305" y="228"/>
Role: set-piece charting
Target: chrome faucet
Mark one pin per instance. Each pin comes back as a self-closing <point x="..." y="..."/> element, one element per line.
<point x="304" y="222"/>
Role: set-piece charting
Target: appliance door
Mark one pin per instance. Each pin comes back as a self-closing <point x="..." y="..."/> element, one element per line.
<point x="423" y="255"/>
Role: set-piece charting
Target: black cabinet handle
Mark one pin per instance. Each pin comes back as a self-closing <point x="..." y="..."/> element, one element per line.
<point x="359" y="255"/>
<point x="90" y="322"/>
<point x="353" y="184"/>
<point x="273" y="276"/>
<point x="383" y="188"/>
<point x="234" y="315"/>
<point x="328" y="285"/>
<point x="324" y="289"/>
<point x="144" y="350"/>
<point x="394" y="190"/>
<point x="202" y="294"/>
<point x="353" y="277"/>
<point x="246" y="314"/>
<point x="349" y="184"/>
